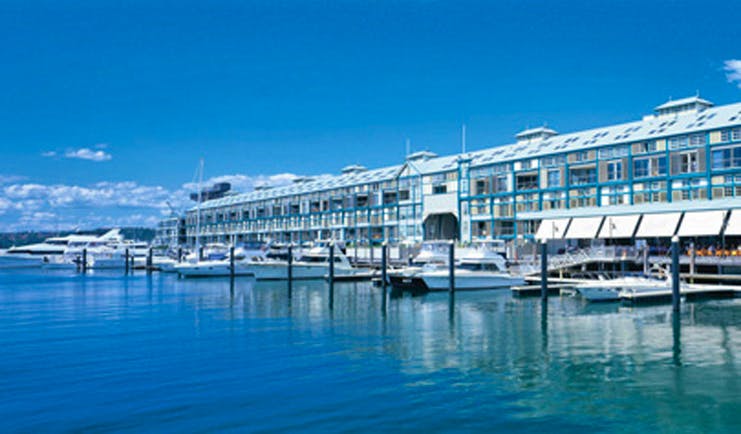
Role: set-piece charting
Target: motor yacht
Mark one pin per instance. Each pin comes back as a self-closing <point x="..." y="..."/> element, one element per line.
<point x="214" y="264"/>
<point x="610" y="289"/>
<point x="314" y="264"/>
<point x="433" y="255"/>
<point x="482" y="267"/>
<point x="52" y="250"/>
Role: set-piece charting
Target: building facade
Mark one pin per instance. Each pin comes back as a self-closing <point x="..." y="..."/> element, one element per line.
<point x="687" y="152"/>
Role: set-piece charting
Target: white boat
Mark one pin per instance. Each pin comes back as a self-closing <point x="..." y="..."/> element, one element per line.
<point x="433" y="255"/>
<point x="610" y="290"/>
<point x="216" y="264"/>
<point x="481" y="268"/>
<point x="49" y="251"/>
<point x="218" y="268"/>
<point x="312" y="265"/>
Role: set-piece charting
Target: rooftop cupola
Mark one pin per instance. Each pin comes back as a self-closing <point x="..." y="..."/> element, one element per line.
<point x="693" y="104"/>
<point x="535" y="134"/>
<point x="421" y="156"/>
<point x="353" y="168"/>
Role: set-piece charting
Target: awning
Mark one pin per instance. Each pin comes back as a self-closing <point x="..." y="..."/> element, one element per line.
<point x="584" y="228"/>
<point x="702" y="223"/>
<point x="619" y="226"/>
<point x="552" y="229"/>
<point x="658" y="225"/>
<point x="734" y="223"/>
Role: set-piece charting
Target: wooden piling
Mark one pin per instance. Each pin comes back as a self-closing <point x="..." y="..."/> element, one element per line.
<point x="675" y="273"/>
<point x="544" y="270"/>
<point x="451" y="267"/>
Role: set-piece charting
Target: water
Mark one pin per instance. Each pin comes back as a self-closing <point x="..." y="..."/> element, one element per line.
<point x="104" y="352"/>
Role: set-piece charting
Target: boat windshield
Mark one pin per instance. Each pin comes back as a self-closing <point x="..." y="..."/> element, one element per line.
<point x="477" y="266"/>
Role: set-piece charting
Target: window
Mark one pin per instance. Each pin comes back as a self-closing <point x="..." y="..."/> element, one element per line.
<point x="688" y="162"/>
<point x="527" y="182"/>
<point x="678" y="142"/>
<point x="583" y="176"/>
<point x="645" y="147"/>
<point x="439" y="189"/>
<point x="653" y="166"/>
<point x="697" y="140"/>
<point x="725" y="158"/>
<point x="554" y="178"/>
<point x="736" y="134"/>
<point x="614" y="171"/>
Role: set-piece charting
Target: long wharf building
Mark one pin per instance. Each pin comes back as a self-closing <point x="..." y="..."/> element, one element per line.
<point x="687" y="155"/>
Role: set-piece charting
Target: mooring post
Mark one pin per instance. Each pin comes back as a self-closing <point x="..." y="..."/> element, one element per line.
<point x="231" y="262"/>
<point x="675" y="273"/>
<point x="180" y="255"/>
<point x="451" y="267"/>
<point x="290" y="270"/>
<point x="331" y="275"/>
<point x="410" y="260"/>
<point x="384" y="264"/>
<point x="126" y="261"/>
<point x="131" y="267"/>
<point x="544" y="270"/>
<point x="693" y="259"/>
<point x="84" y="260"/>
<point x="645" y="260"/>
<point x="200" y="254"/>
<point x="331" y="266"/>
<point x="149" y="261"/>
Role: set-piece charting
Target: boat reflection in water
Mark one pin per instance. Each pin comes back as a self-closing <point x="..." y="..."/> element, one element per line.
<point x="490" y="360"/>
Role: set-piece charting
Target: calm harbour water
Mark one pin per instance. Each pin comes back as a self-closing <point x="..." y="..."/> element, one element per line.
<point x="105" y="352"/>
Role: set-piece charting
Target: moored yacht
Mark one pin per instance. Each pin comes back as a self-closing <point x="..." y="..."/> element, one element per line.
<point x="215" y="264"/>
<point x="313" y="264"/>
<point x="52" y="250"/>
<point x="433" y="255"/>
<point x="481" y="267"/>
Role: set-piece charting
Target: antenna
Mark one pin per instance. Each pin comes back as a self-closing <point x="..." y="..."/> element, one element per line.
<point x="463" y="139"/>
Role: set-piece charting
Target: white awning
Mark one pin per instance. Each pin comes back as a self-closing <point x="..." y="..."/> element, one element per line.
<point x="584" y="228"/>
<point x="552" y="229"/>
<point x="658" y="225"/>
<point x="619" y="226"/>
<point x="702" y="223"/>
<point x="734" y="223"/>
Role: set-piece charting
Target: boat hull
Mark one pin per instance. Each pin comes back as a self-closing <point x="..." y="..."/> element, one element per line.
<point x="210" y="269"/>
<point x="279" y="271"/>
<point x="440" y="281"/>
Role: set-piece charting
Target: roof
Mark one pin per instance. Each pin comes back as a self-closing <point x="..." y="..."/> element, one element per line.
<point x="650" y="128"/>
<point x="535" y="131"/>
<point x="684" y="101"/>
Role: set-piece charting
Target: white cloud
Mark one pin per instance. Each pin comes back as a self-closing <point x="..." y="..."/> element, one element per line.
<point x="7" y="179"/>
<point x="49" y="154"/>
<point x="36" y="206"/>
<point x="733" y="71"/>
<point x="88" y="154"/>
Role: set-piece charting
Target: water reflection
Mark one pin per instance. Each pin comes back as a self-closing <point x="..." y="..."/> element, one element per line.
<point x="554" y="358"/>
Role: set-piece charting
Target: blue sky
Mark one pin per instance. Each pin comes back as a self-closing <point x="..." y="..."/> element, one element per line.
<point x="107" y="106"/>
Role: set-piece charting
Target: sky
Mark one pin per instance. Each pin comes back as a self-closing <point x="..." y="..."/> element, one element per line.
<point x="107" y="106"/>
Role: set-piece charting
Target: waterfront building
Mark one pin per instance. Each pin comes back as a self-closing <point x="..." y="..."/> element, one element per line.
<point x="685" y="156"/>
<point x="170" y="232"/>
